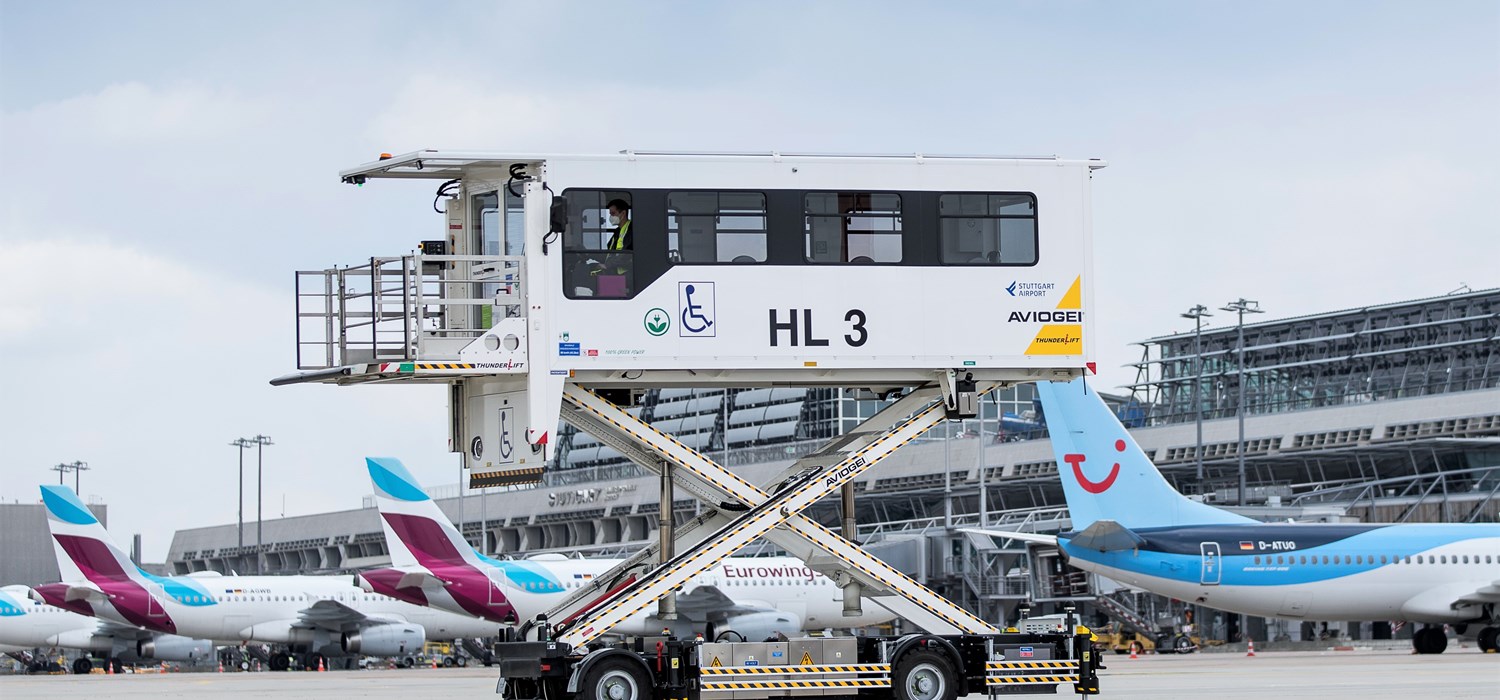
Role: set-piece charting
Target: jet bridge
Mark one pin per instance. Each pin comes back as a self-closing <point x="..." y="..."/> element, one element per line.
<point x="929" y="279"/>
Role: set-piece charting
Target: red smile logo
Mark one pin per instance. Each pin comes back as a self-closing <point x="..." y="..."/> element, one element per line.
<point x="1094" y="486"/>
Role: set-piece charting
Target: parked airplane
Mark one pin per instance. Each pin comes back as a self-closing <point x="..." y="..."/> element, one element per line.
<point x="316" y="615"/>
<point x="742" y="598"/>
<point x="1130" y="525"/>
<point x="29" y="624"/>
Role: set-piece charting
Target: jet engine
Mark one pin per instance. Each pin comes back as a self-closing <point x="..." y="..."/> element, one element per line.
<point x="754" y="627"/>
<point x="390" y="639"/>
<point x="171" y="647"/>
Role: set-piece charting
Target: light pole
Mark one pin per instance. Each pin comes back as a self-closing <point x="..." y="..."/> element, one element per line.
<point x="260" y="446"/>
<point x="1241" y="307"/>
<point x="75" y="467"/>
<point x="1197" y="313"/>
<point x="242" y="443"/>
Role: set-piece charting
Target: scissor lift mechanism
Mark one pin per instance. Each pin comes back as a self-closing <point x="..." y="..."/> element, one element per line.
<point x="961" y="651"/>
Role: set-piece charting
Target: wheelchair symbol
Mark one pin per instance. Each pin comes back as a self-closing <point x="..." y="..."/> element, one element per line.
<point x="693" y="319"/>
<point x="506" y="446"/>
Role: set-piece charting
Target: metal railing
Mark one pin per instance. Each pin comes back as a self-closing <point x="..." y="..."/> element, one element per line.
<point x="402" y="308"/>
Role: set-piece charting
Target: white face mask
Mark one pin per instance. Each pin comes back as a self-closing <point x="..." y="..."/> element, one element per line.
<point x="614" y="219"/>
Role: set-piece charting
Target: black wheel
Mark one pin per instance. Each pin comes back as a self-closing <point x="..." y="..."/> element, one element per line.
<point x="1182" y="644"/>
<point x="1430" y="640"/>
<point x="924" y="675"/>
<point x="82" y="666"/>
<point x="1489" y="639"/>
<point x="615" y="679"/>
<point x="280" y="662"/>
<point x="462" y="661"/>
<point x="448" y="662"/>
<point x="408" y="662"/>
<point x="117" y="666"/>
<point x="730" y="636"/>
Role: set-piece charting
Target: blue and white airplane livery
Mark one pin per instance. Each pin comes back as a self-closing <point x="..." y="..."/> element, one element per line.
<point x="1130" y="525"/>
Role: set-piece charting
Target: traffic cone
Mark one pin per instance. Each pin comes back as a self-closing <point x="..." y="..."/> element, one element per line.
<point x="109" y="667"/>
<point x="321" y="667"/>
<point x="221" y="665"/>
<point x="164" y="668"/>
<point x="1132" y="651"/>
<point x="1251" y="651"/>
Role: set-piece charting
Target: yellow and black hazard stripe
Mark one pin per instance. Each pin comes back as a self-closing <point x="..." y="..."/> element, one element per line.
<point x="789" y="669"/>
<point x="505" y="477"/>
<point x="787" y="685"/>
<point x="995" y="665"/>
<point x="1029" y="679"/>
<point x="442" y="365"/>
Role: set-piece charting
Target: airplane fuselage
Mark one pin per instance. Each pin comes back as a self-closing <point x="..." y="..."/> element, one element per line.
<point x="1325" y="572"/>
<point x="268" y="608"/>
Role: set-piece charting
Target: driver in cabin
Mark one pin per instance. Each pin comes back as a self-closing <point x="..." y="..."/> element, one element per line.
<point x="619" y="217"/>
<point x="615" y="265"/>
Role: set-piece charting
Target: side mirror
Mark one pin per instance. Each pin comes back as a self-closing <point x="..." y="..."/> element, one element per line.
<point x="559" y="215"/>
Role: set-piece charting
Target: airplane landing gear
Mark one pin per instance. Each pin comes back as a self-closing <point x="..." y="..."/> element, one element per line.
<point x="1429" y="640"/>
<point x="1489" y="640"/>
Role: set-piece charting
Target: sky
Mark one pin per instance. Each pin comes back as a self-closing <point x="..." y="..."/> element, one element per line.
<point x="166" y="166"/>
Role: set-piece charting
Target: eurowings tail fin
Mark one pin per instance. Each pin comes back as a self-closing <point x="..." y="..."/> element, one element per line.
<point x="1105" y="474"/>
<point x="84" y="549"/>
<point x="419" y="534"/>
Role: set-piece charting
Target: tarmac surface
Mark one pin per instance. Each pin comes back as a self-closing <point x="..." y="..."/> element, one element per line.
<point x="1459" y="673"/>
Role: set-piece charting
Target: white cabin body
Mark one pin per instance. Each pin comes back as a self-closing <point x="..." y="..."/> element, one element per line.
<point x="741" y="270"/>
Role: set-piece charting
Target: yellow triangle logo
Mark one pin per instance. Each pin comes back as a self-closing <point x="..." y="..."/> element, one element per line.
<point x="1072" y="299"/>
<point x="716" y="663"/>
<point x="806" y="659"/>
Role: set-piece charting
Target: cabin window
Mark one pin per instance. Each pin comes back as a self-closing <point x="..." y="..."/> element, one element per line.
<point x="1466" y="558"/>
<point x="1325" y="559"/>
<point x="1382" y="559"/>
<point x="852" y="227"/>
<point x="598" y="257"/>
<point x="716" y="227"/>
<point x="987" y="229"/>
<point x="1257" y="560"/>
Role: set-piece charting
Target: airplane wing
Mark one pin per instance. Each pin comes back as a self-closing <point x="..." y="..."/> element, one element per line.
<point x="336" y="617"/>
<point x="1022" y="536"/>
<point x="1482" y="594"/>
<point x="1106" y="536"/>
<point x="110" y="628"/>
<point x="709" y="604"/>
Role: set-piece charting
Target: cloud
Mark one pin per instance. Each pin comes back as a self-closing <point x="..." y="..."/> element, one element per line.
<point x="133" y="113"/>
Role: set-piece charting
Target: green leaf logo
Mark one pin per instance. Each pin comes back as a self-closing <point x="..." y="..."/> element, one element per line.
<point x="657" y="322"/>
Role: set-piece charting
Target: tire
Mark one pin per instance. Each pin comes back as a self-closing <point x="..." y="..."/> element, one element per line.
<point x="448" y="662"/>
<point x="1137" y="648"/>
<point x="1489" y="639"/>
<point x="730" y="636"/>
<point x="924" y="675"/>
<point x="1430" y="640"/>
<point x="408" y="662"/>
<point x="462" y="661"/>
<point x="82" y="666"/>
<point x="280" y="662"/>
<point x="119" y="668"/>
<point x="1182" y="644"/>
<point x="615" y="679"/>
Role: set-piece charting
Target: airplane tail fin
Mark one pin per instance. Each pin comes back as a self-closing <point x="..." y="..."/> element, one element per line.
<point x="417" y="531"/>
<point x="1105" y="474"/>
<point x="84" y="549"/>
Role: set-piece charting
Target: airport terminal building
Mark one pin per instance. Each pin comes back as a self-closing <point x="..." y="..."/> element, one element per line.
<point x="1387" y="413"/>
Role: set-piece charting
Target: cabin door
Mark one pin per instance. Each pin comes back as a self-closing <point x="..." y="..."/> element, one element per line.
<point x="1212" y="563"/>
